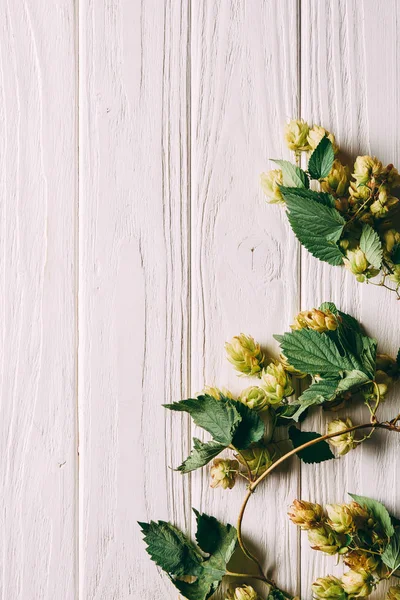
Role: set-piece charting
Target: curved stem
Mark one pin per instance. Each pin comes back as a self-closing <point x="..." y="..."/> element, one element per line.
<point x="391" y="426"/>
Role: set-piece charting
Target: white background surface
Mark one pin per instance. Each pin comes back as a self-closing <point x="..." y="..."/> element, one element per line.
<point x="135" y="240"/>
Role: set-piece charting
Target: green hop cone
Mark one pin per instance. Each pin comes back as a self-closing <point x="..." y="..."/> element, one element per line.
<point x="255" y="398"/>
<point x="367" y="170"/>
<point x="393" y="593"/>
<point x="315" y="319"/>
<point x="356" y="262"/>
<point x="316" y="134"/>
<point x="361" y="560"/>
<point x="338" y="180"/>
<point x="276" y="382"/>
<point x="296" y="132"/>
<point x="329" y="588"/>
<point x="323" y="539"/>
<point x="340" y="518"/>
<point x="345" y="442"/>
<point x="224" y="472"/>
<point x="306" y="515"/>
<point x="258" y="458"/>
<point x="244" y="353"/>
<point x="270" y="183"/>
<point x="384" y="382"/>
<point x="245" y="592"/>
<point x="358" y="584"/>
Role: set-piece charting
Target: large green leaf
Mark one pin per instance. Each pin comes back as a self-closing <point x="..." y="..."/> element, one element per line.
<point x="293" y="176"/>
<point x="218" y="417"/>
<point x="171" y="550"/>
<point x="371" y="245"/>
<point x="251" y="428"/>
<point x="314" y="454"/>
<point x="391" y="554"/>
<point x="321" y="160"/>
<point x="378" y="511"/>
<point x="317" y="226"/>
<point x="201" y="454"/>
<point x="314" y="353"/>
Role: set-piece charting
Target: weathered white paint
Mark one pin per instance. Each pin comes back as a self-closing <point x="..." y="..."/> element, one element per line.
<point x="136" y="240"/>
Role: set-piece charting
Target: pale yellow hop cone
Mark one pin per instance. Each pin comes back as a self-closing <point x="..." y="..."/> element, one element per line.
<point x="306" y="515"/>
<point x="224" y="472"/>
<point x="276" y="382"/>
<point x="358" y="584"/>
<point x="338" y="181"/>
<point x="344" y="442"/>
<point x="318" y="320"/>
<point x="244" y="353"/>
<point x="270" y="183"/>
<point x="328" y="588"/>
<point x="245" y="592"/>
<point x="256" y="398"/>
<point x="296" y="132"/>
<point x="316" y="134"/>
<point x="340" y="518"/>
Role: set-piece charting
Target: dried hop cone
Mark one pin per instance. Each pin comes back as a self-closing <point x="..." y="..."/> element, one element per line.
<point x="361" y="560"/>
<point x="329" y="588"/>
<point x="317" y="133"/>
<point x="338" y="180"/>
<point x="344" y="442"/>
<point x="340" y="518"/>
<point x="270" y="183"/>
<point x="296" y="132"/>
<point x="323" y="539"/>
<point x="244" y="353"/>
<point x="276" y="382"/>
<point x="255" y="398"/>
<point x="393" y="593"/>
<point x="358" y="584"/>
<point x="258" y="459"/>
<point x="306" y="515"/>
<point x="245" y="592"/>
<point x="318" y="320"/>
<point x="224" y="472"/>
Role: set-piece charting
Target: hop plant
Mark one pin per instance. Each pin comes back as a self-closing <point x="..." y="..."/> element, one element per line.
<point x="242" y="593"/>
<point x="255" y="398"/>
<point x="258" y="458"/>
<point x="224" y="472"/>
<point x="358" y="584"/>
<point x="276" y="383"/>
<point x="306" y="515"/>
<point x="244" y="353"/>
<point x="329" y="588"/>
<point x="347" y="218"/>
<point x="345" y="442"/>
<point x="315" y="319"/>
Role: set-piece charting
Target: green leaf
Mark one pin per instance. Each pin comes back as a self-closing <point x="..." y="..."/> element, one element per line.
<point x="351" y="380"/>
<point x="296" y="193"/>
<point x="218" y="417"/>
<point x="316" y="226"/>
<point x="371" y="245"/>
<point x="329" y="306"/>
<point x="178" y="557"/>
<point x="318" y="393"/>
<point x="391" y="555"/>
<point x="170" y="549"/>
<point x="276" y="595"/>
<point x="201" y="454"/>
<point x="250" y="430"/>
<point x="321" y="160"/>
<point x="378" y="511"/>
<point x="314" y="454"/>
<point x="314" y="353"/>
<point x="293" y="176"/>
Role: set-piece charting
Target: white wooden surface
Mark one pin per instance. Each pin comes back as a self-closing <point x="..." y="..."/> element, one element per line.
<point x="135" y="241"/>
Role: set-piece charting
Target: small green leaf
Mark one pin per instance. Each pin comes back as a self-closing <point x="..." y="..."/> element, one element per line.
<point x="318" y="393"/>
<point x="319" y="197"/>
<point x="329" y="306"/>
<point x="218" y="417"/>
<point x="378" y="511"/>
<point x="321" y="160"/>
<point x="371" y="245"/>
<point x="201" y="454"/>
<point x="293" y="176"/>
<point x="391" y="555"/>
<point x="314" y="454"/>
<point x="317" y="226"/>
<point x="251" y="428"/>
<point x="314" y="353"/>
<point x="216" y="538"/>
<point x="351" y="380"/>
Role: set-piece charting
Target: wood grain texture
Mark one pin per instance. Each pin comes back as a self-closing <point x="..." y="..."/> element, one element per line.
<point x="134" y="298"/>
<point x="342" y="87"/>
<point x="38" y="179"/>
<point x="244" y="261"/>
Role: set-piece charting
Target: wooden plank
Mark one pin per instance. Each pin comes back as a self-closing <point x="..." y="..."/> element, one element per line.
<point x="38" y="179"/>
<point x="244" y="260"/>
<point x="134" y="308"/>
<point x="344" y="46"/>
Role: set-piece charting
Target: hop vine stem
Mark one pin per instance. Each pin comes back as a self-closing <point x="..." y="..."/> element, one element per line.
<point x="387" y="425"/>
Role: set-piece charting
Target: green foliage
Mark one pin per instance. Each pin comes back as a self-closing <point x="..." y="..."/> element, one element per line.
<point x="371" y="245"/>
<point x="378" y="511"/>
<point x="293" y="176"/>
<point x="250" y="429"/>
<point x="321" y="160"/>
<point x="314" y="454"/>
<point x="391" y="554"/>
<point x="317" y="226"/>
<point x="201" y="454"/>
<point x="171" y="550"/>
